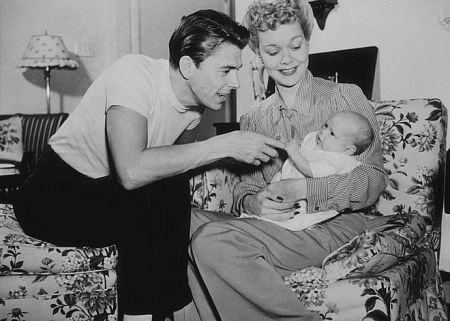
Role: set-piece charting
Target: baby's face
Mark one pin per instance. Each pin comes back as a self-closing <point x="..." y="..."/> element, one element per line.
<point x="334" y="135"/>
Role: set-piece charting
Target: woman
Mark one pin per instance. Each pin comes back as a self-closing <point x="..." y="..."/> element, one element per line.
<point x="112" y="174"/>
<point x="241" y="260"/>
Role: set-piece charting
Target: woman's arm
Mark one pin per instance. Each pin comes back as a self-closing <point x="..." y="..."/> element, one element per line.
<point x="136" y="165"/>
<point x="361" y="187"/>
<point x="251" y="194"/>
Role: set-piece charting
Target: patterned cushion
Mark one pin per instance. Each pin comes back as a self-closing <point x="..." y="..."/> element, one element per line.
<point x="40" y="281"/>
<point x="409" y="290"/>
<point x="20" y="253"/>
<point x="413" y="136"/>
<point x="11" y="147"/>
<point x="376" y="250"/>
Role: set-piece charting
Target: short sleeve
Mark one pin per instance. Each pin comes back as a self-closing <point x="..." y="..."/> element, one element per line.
<point x="129" y="83"/>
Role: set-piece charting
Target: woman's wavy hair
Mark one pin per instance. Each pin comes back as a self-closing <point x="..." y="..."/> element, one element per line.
<point x="263" y="15"/>
<point x="201" y="33"/>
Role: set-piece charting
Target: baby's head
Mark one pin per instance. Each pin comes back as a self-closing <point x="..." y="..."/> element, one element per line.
<point x="347" y="132"/>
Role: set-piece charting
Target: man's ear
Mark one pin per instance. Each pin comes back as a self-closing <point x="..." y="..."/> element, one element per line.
<point x="187" y="67"/>
<point x="350" y="150"/>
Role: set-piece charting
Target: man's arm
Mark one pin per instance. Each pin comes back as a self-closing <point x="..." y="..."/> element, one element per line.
<point x="136" y="165"/>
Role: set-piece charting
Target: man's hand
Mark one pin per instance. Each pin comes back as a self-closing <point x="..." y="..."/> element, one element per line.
<point x="246" y="146"/>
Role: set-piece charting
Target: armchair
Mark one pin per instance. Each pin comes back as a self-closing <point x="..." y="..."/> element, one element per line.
<point x="41" y="281"/>
<point x="389" y="272"/>
<point x="36" y="130"/>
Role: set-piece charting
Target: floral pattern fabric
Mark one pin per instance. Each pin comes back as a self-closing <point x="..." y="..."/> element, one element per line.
<point x="11" y="145"/>
<point x="388" y="272"/>
<point x="391" y="271"/>
<point x="41" y="281"/>
<point x="413" y="137"/>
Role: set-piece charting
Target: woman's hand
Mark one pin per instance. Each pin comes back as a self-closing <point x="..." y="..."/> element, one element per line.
<point x="289" y="190"/>
<point x="266" y="204"/>
<point x="246" y="146"/>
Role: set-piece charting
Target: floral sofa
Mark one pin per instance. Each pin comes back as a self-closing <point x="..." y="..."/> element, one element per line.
<point x="389" y="272"/>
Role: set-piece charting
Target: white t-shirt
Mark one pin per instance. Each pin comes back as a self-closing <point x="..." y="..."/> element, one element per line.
<point x="136" y="82"/>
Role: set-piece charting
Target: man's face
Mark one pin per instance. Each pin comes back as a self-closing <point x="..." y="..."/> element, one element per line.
<point x="216" y="76"/>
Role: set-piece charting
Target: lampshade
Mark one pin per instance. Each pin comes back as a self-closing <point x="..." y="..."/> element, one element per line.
<point x="47" y="51"/>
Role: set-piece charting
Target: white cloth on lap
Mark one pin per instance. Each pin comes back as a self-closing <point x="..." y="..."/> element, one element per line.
<point x="300" y="221"/>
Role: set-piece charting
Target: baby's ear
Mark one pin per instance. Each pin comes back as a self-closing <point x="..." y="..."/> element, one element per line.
<point x="350" y="150"/>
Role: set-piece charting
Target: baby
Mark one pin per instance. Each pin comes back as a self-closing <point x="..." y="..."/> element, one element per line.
<point x="330" y="150"/>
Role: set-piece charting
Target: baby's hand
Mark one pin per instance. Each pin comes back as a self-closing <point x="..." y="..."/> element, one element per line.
<point x="292" y="148"/>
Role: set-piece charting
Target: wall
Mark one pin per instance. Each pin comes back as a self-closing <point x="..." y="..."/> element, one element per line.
<point x="414" y="49"/>
<point x="111" y="27"/>
<point x="81" y="21"/>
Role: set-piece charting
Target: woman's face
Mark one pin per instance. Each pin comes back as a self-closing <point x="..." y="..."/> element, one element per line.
<point x="285" y="53"/>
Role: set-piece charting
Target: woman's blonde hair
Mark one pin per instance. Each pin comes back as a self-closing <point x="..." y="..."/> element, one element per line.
<point x="263" y="15"/>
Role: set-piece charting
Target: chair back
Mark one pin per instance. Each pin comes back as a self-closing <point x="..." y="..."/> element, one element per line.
<point x="413" y="137"/>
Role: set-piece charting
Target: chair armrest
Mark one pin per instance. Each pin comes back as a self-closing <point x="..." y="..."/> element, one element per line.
<point x="212" y="186"/>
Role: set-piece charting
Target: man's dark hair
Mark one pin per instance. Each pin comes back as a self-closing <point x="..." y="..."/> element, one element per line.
<point x="200" y="33"/>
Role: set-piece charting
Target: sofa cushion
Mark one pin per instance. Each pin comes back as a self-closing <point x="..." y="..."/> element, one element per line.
<point x="11" y="145"/>
<point x="20" y="253"/>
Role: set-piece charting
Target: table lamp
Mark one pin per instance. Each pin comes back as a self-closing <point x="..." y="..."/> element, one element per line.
<point x="47" y="52"/>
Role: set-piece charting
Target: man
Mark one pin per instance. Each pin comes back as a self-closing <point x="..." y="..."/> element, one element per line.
<point x="112" y="173"/>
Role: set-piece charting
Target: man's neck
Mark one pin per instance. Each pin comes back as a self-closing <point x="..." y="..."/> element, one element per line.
<point x="182" y="90"/>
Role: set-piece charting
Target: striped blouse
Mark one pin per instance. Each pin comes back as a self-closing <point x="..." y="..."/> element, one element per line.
<point x="316" y="101"/>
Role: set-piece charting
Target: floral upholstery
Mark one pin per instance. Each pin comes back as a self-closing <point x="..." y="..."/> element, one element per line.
<point x="413" y="134"/>
<point x="212" y="187"/>
<point x="40" y="281"/>
<point x="388" y="272"/>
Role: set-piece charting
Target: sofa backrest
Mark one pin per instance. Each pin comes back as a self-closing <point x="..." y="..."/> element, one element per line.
<point x="37" y="129"/>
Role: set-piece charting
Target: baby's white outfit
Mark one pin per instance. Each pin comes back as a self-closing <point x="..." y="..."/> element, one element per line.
<point x="322" y="163"/>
